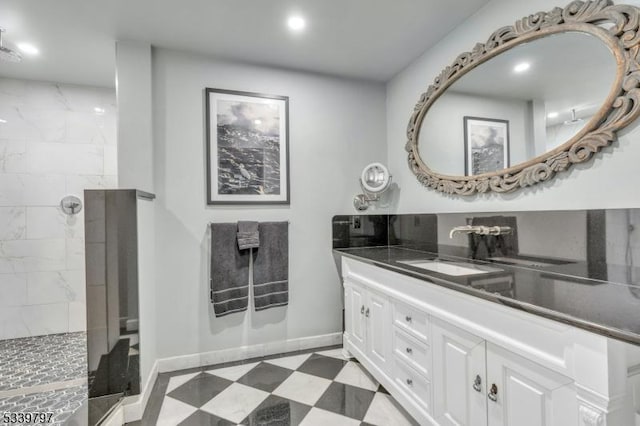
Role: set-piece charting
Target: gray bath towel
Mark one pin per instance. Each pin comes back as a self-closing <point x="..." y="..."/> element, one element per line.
<point x="229" y="271"/>
<point x="248" y="235"/>
<point x="271" y="266"/>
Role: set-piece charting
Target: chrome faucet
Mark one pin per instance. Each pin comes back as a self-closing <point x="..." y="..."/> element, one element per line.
<point x="480" y="230"/>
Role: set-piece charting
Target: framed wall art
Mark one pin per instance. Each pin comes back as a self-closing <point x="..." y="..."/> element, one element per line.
<point x="486" y="145"/>
<point x="247" y="138"/>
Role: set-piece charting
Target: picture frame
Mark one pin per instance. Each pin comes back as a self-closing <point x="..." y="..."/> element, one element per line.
<point x="486" y="145"/>
<point x="247" y="148"/>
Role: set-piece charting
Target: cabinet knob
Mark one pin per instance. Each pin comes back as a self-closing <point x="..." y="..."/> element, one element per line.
<point x="477" y="384"/>
<point x="410" y="382"/>
<point x="362" y="310"/>
<point x="409" y="350"/>
<point x="408" y="318"/>
<point x="366" y="314"/>
<point x="493" y="393"/>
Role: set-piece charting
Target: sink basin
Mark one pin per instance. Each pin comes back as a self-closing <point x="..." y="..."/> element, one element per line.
<point x="456" y="269"/>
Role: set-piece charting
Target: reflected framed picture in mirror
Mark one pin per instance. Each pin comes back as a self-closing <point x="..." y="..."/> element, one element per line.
<point x="247" y="147"/>
<point x="486" y="145"/>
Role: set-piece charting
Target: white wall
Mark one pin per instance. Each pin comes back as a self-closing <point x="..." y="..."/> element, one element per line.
<point x="604" y="182"/>
<point x="337" y="126"/>
<point x="147" y="291"/>
<point x="52" y="144"/>
<point x="135" y="133"/>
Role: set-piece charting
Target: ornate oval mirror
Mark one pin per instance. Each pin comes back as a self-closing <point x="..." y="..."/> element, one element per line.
<point x="537" y="97"/>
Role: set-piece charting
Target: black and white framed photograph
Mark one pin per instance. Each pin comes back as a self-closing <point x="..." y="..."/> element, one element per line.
<point x="247" y="147"/>
<point x="486" y="145"/>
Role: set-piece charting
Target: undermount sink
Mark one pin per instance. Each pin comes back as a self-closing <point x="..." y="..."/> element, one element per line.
<point x="456" y="269"/>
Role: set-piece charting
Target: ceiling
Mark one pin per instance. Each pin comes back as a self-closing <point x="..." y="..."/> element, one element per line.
<point x="368" y="39"/>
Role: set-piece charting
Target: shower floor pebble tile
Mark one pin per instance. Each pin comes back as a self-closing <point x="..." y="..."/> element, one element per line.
<point x="320" y="388"/>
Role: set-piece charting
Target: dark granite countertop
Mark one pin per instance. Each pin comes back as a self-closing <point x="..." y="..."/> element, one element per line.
<point x="569" y="291"/>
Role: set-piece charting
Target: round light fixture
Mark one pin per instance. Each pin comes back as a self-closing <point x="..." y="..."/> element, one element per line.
<point x="522" y="67"/>
<point x="296" y="23"/>
<point x="552" y="115"/>
<point x="99" y="111"/>
<point x="28" y="49"/>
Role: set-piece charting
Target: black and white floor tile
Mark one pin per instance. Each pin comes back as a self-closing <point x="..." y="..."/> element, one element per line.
<point x="316" y="388"/>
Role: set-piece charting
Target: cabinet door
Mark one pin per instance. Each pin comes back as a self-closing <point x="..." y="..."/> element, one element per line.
<point x="527" y="394"/>
<point x="379" y="319"/>
<point x="355" y="308"/>
<point x="459" y="381"/>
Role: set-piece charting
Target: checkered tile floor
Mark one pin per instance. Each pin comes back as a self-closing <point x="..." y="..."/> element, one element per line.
<point x="311" y="389"/>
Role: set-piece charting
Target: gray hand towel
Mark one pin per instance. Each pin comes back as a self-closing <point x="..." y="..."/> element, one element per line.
<point x="229" y="271"/>
<point x="271" y="266"/>
<point x="248" y="235"/>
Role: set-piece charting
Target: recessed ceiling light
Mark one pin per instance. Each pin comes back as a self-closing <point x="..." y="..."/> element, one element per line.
<point x="2" y="121"/>
<point x="553" y="115"/>
<point x="522" y="67"/>
<point x="99" y="110"/>
<point x="257" y="122"/>
<point x="296" y="23"/>
<point x="28" y="48"/>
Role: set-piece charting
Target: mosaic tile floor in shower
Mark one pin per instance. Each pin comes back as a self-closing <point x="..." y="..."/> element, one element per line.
<point x="42" y="360"/>
<point x="44" y="374"/>
<point x="309" y="389"/>
<point x="61" y="402"/>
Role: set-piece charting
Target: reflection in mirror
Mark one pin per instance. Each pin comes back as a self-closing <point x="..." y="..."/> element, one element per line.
<point x="113" y="342"/>
<point x="522" y="103"/>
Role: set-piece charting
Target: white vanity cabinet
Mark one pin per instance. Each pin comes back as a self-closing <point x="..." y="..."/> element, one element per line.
<point x="527" y="394"/>
<point x="460" y="378"/>
<point x="478" y="383"/>
<point x="368" y="324"/>
<point x="451" y="358"/>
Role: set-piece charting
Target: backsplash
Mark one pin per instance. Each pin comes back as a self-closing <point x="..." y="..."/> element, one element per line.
<point x="360" y="231"/>
<point x="593" y="244"/>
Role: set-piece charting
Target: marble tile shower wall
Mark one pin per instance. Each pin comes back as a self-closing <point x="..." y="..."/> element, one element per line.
<point x="55" y="139"/>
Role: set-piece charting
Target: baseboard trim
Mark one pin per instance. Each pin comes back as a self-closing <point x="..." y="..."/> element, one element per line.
<point x="134" y="406"/>
<point x="115" y="418"/>
<point x="203" y="359"/>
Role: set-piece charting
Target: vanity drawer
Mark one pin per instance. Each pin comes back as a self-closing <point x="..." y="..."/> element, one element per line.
<point x="411" y="320"/>
<point x="412" y="351"/>
<point x="413" y="383"/>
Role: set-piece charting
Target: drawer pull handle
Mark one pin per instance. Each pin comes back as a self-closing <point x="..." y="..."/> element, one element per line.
<point x="410" y="382"/>
<point x="408" y="318"/>
<point x="477" y="384"/>
<point x="493" y="393"/>
<point x="409" y="350"/>
<point x="362" y="310"/>
<point x="366" y="314"/>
